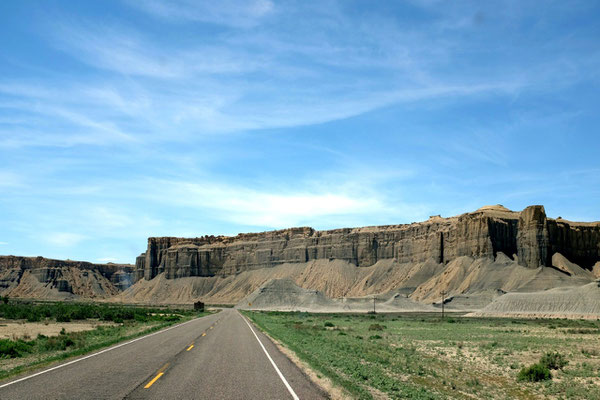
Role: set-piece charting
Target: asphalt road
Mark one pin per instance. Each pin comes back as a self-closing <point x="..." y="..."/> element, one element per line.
<point x="220" y="356"/>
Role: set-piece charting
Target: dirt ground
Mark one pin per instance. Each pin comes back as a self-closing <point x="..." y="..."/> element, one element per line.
<point x="14" y="330"/>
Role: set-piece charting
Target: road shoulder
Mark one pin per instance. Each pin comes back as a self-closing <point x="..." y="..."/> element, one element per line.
<point x="333" y="391"/>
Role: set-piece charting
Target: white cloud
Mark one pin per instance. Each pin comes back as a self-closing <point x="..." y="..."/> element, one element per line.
<point x="280" y="208"/>
<point x="63" y="239"/>
<point x="3" y="243"/>
<point x="238" y="13"/>
<point x="56" y="121"/>
<point x="129" y="53"/>
<point x="245" y="80"/>
<point x="9" y="179"/>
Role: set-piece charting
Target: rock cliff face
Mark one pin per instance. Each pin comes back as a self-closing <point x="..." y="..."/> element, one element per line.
<point x="461" y="254"/>
<point x="532" y="237"/>
<point x="70" y="277"/>
<point x="528" y="235"/>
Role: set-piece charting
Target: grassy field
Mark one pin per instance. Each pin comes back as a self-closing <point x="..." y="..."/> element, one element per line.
<point x="109" y="325"/>
<point x="422" y="357"/>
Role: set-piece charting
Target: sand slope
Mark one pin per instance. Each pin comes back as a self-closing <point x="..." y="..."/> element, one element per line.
<point x="467" y="275"/>
<point x="335" y="279"/>
<point x="569" y="302"/>
<point x="285" y="295"/>
<point x="469" y="283"/>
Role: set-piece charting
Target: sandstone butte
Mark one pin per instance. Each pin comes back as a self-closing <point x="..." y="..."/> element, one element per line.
<point x="419" y="259"/>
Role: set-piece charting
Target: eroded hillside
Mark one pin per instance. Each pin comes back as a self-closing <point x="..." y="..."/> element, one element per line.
<point x="471" y="258"/>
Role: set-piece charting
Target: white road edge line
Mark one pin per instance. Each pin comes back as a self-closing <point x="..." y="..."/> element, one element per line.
<point x="285" y="382"/>
<point x="93" y="354"/>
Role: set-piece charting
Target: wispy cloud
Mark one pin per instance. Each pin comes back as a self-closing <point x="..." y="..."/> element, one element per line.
<point x="334" y="201"/>
<point x="242" y="80"/>
<point x="128" y="52"/>
<point x="9" y="179"/>
<point x="3" y="243"/>
<point x="185" y="117"/>
<point x="57" y="116"/>
<point x="238" y="13"/>
<point x="63" y="239"/>
<point x="245" y="206"/>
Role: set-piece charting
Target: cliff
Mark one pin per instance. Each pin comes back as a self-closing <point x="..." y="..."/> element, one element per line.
<point x="43" y="277"/>
<point x="479" y="253"/>
<point x="528" y="236"/>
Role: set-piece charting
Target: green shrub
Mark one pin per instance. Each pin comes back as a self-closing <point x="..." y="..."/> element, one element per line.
<point x="474" y="382"/>
<point x="376" y="327"/>
<point x="535" y="373"/>
<point x="554" y="360"/>
<point x="375" y="337"/>
<point x="141" y="318"/>
<point x="63" y="318"/>
<point x="65" y="312"/>
<point x="13" y="349"/>
<point x="329" y="324"/>
<point x="34" y="317"/>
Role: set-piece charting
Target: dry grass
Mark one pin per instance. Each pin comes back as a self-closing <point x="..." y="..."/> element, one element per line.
<point x="28" y="330"/>
<point x="419" y="356"/>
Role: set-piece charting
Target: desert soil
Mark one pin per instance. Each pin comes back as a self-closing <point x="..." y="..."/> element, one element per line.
<point x="14" y="330"/>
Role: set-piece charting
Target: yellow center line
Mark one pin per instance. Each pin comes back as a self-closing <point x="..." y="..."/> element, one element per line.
<point x="154" y="380"/>
<point x="164" y="367"/>
<point x="191" y="347"/>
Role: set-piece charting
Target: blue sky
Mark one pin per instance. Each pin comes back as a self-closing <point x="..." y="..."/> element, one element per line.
<point x="121" y="120"/>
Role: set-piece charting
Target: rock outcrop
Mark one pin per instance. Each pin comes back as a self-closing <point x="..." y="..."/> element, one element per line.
<point x="532" y="237"/>
<point x="78" y="278"/>
<point x="528" y="236"/>
<point x="474" y="255"/>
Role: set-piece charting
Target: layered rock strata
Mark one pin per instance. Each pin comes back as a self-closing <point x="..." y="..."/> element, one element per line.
<point x="528" y="235"/>
<point x="56" y="274"/>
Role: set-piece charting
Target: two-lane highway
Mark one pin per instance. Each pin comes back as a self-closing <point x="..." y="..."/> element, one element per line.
<point x="221" y="356"/>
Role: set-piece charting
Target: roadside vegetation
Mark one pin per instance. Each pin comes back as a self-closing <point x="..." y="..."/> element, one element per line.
<point x="423" y="357"/>
<point x="108" y="324"/>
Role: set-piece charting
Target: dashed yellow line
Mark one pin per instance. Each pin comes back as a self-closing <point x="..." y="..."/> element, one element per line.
<point x="160" y="373"/>
<point x="189" y="348"/>
<point x="153" y="380"/>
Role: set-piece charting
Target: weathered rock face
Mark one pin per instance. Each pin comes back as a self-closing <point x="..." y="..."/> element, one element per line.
<point x="579" y="242"/>
<point x="528" y="235"/>
<point x="59" y="274"/>
<point x="532" y="237"/>
<point x="481" y="234"/>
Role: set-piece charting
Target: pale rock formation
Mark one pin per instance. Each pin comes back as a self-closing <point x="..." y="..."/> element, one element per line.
<point x="528" y="236"/>
<point x="39" y="277"/>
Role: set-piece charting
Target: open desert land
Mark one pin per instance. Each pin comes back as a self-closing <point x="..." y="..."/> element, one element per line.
<point x="33" y="335"/>
<point x="287" y="199"/>
<point x="421" y="356"/>
<point x="522" y="289"/>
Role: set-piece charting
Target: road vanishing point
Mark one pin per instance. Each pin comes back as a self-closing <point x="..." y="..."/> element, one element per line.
<point x="219" y="356"/>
